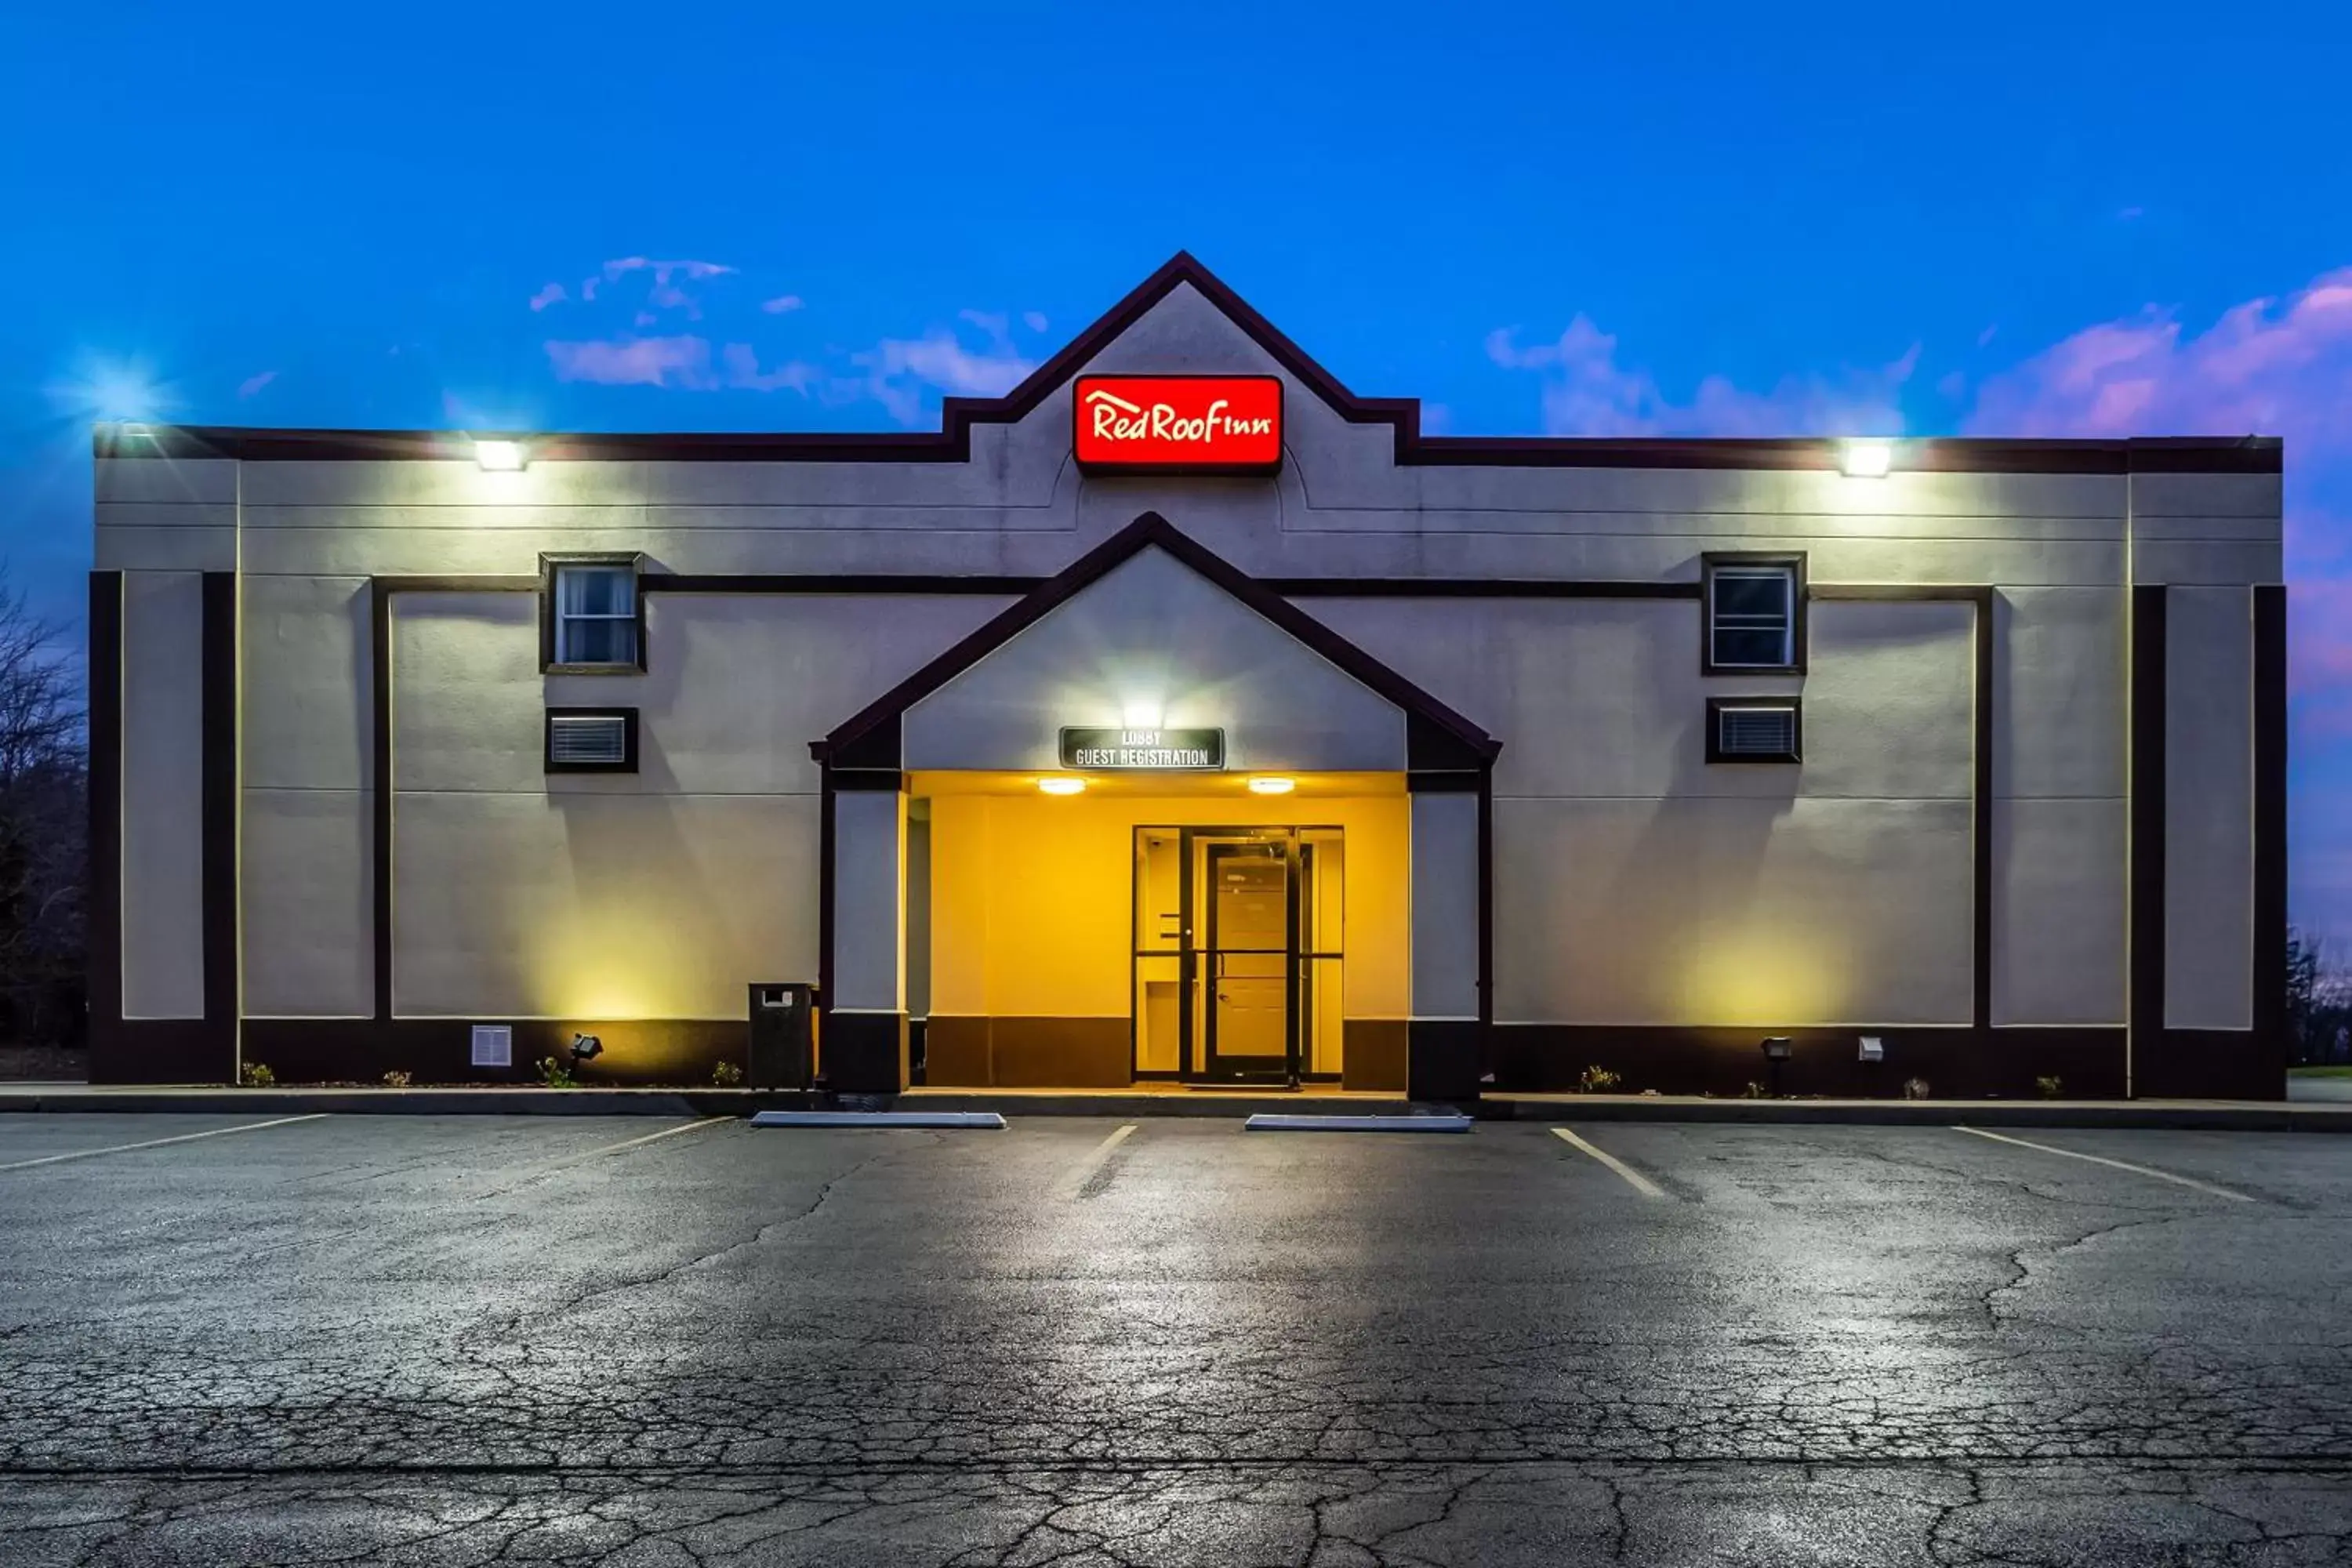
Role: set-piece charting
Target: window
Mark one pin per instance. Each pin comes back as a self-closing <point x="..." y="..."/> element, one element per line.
<point x="593" y="614"/>
<point x="1755" y="613"/>
<point x="1754" y="730"/>
<point x="592" y="741"/>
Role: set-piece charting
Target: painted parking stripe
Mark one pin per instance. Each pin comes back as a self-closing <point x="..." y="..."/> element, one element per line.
<point x="159" y="1143"/>
<point x="1074" y="1183"/>
<point x="2117" y="1164"/>
<point x="665" y="1132"/>
<point x="1638" y="1181"/>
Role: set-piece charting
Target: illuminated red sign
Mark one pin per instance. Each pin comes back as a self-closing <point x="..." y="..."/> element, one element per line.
<point x="1221" y="424"/>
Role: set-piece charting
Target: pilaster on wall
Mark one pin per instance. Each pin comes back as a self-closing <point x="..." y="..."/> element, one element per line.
<point x="164" y="969"/>
<point x="1451" y="935"/>
<point x="862" y="1040"/>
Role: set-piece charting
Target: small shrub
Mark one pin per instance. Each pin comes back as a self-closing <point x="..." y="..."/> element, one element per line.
<point x="1914" y="1089"/>
<point x="2051" y="1087"/>
<point x="1753" y="1092"/>
<point x="395" y="1079"/>
<point x="726" y="1074"/>
<point x="1597" y="1081"/>
<point x="554" y="1074"/>
<point x="256" y="1075"/>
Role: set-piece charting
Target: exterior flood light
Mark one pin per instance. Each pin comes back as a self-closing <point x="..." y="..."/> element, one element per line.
<point x="501" y="457"/>
<point x="1268" y="786"/>
<point x="1866" y="459"/>
<point x="1062" y="785"/>
<point x="585" y="1048"/>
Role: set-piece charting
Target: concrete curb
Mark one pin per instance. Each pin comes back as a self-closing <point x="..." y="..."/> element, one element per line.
<point x="2220" y="1116"/>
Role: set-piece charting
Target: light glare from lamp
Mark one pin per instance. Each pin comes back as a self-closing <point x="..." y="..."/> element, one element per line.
<point x="1866" y="459"/>
<point x="1140" y="714"/>
<point x="1270" y="785"/>
<point x="501" y="457"/>
<point x="1061" y="784"/>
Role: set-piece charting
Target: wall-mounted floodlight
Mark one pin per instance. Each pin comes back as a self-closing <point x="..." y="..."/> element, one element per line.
<point x="585" y="1048"/>
<point x="501" y="457"/>
<point x="1062" y="784"/>
<point x="1866" y="459"/>
<point x="1267" y="785"/>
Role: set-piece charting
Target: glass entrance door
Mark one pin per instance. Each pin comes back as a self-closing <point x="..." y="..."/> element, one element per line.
<point x="1237" y="953"/>
<point x="1248" y="957"/>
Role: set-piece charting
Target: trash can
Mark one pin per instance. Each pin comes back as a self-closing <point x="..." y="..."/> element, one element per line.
<point x="784" y="1035"/>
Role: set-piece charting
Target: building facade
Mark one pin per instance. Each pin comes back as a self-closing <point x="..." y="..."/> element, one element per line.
<point x="1182" y="716"/>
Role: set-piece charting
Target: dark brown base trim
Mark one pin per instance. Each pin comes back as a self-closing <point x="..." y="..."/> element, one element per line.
<point x="1442" y="1059"/>
<point x="161" y="1051"/>
<point x="440" y="1050"/>
<point x="1373" y="1055"/>
<point x="1027" y="1053"/>
<point x="862" y="1053"/>
<point x="2210" y="1064"/>
<point x="1957" y="1062"/>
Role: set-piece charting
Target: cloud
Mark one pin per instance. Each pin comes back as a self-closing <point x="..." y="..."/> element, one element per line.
<point x="552" y="295"/>
<point x="681" y="362"/>
<point x="666" y="288"/>
<point x="899" y="371"/>
<point x="1586" y="391"/>
<point x="254" y="383"/>
<point x="781" y="304"/>
<point x="1033" y="319"/>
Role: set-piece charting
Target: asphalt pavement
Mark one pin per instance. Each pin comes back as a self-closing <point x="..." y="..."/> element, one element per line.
<point x="478" y="1340"/>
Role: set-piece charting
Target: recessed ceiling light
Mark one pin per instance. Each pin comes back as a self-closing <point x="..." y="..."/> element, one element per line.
<point x="1268" y="784"/>
<point x="1061" y="784"/>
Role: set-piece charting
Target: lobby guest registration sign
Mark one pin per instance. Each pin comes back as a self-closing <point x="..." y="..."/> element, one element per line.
<point x="1179" y="424"/>
<point x="1141" y="750"/>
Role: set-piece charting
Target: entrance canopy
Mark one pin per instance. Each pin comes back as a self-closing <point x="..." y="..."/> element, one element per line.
<point x="1151" y="631"/>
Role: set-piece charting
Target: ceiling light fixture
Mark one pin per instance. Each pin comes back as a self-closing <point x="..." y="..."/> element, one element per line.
<point x="1062" y="784"/>
<point x="1269" y="784"/>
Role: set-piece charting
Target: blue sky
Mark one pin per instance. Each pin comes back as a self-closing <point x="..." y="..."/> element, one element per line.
<point x="2055" y="218"/>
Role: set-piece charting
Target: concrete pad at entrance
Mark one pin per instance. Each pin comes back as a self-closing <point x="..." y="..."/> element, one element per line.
<point x="1441" y="1123"/>
<point x="988" y="1120"/>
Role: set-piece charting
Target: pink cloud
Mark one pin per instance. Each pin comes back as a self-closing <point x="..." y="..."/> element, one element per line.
<point x="552" y="295"/>
<point x="1033" y="319"/>
<point x="1587" y="391"/>
<point x="679" y="362"/>
<point x="899" y="371"/>
<point x="254" y="383"/>
<point x="780" y="303"/>
<point x="740" y="364"/>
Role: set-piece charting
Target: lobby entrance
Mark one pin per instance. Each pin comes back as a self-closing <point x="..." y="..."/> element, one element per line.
<point x="1239" y="949"/>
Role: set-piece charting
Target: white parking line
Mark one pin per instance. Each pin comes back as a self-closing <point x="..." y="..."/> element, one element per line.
<point x="1075" y="1181"/>
<point x="2117" y="1164"/>
<point x="158" y="1143"/>
<point x="1639" y="1183"/>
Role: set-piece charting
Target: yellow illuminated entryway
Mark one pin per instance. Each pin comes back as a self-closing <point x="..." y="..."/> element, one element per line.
<point x="1157" y="929"/>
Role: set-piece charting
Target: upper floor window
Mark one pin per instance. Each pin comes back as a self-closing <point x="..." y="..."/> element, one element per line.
<point x="593" y="614"/>
<point x="1755" y="613"/>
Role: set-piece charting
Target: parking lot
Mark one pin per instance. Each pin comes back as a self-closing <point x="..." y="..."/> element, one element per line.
<point x="614" y="1342"/>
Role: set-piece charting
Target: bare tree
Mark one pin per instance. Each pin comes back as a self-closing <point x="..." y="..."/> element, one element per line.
<point x="44" y="838"/>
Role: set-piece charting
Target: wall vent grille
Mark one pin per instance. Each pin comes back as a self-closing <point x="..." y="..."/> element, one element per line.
<point x="1747" y="731"/>
<point x="592" y="739"/>
<point x="493" y="1044"/>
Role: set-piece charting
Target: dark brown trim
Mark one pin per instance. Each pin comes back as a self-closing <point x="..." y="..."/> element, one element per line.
<point x="2144" y="996"/>
<point x="439" y="1050"/>
<point x="2270" y="825"/>
<point x="381" y="590"/>
<point x="1473" y="588"/>
<point x="885" y="781"/>
<point x="1957" y="1062"/>
<point x="1715" y="752"/>
<point x="553" y="561"/>
<point x="831" y="582"/>
<point x="1151" y="530"/>
<point x="628" y="762"/>
<point x="1445" y="781"/>
<point x="1709" y="561"/>
<point x="951" y="443"/>
<point x="824" y="885"/>
<point x="103" y="909"/>
<point x="1486" y="915"/>
<point x="223" y="998"/>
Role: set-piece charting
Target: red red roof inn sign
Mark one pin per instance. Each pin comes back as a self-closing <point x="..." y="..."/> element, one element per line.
<point x="1189" y="424"/>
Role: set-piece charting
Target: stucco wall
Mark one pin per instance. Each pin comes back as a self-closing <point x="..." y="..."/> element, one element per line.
<point x="163" y="795"/>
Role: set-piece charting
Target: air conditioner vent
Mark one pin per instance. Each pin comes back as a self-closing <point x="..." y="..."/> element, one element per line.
<point x="494" y="1044"/>
<point x="602" y="740"/>
<point x="1749" y="731"/>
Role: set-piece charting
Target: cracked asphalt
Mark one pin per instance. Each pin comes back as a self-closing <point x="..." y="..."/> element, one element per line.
<point x="477" y="1341"/>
